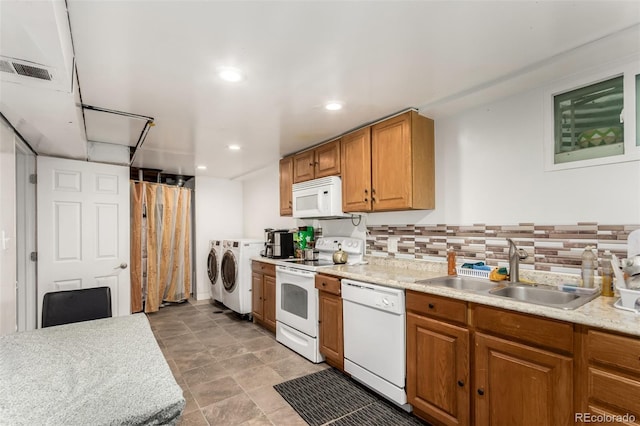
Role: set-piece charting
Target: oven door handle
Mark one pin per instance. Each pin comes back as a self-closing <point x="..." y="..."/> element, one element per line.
<point x="297" y="273"/>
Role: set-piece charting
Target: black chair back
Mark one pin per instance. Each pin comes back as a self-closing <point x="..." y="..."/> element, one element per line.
<point x="64" y="307"/>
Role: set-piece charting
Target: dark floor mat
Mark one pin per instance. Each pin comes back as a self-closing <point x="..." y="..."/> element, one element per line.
<point x="378" y="414"/>
<point x="329" y="397"/>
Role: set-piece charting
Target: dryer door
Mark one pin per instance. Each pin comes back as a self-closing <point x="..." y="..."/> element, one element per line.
<point x="229" y="269"/>
<point x="212" y="266"/>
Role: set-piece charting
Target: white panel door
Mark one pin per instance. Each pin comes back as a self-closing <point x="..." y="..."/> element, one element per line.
<point x="83" y="229"/>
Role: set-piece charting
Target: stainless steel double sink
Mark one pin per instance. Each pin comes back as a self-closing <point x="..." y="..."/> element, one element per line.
<point x="528" y="293"/>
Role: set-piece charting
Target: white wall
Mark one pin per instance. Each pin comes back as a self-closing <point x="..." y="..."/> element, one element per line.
<point x="489" y="169"/>
<point x="219" y="215"/>
<point x="7" y="230"/>
<point x="262" y="202"/>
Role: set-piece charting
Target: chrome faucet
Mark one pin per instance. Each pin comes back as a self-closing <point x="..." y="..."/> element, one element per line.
<point x="515" y="256"/>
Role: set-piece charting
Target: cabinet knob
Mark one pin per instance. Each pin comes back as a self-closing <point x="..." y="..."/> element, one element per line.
<point x="373" y="191"/>
<point x="324" y="284"/>
<point x="480" y="391"/>
<point x="366" y="191"/>
<point x="431" y="306"/>
<point x="373" y="199"/>
<point x="461" y="383"/>
<point x="311" y="164"/>
<point x="366" y="199"/>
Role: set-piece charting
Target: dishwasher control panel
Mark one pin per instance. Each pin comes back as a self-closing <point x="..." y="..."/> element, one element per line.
<point x="375" y="296"/>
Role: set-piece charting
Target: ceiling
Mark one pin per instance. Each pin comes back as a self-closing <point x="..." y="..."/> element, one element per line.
<point x="159" y="59"/>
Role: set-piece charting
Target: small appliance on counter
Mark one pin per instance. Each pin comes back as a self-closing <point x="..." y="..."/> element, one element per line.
<point x="278" y="243"/>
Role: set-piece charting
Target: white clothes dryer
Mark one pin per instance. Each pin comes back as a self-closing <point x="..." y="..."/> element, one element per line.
<point x="213" y="269"/>
<point x="235" y="271"/>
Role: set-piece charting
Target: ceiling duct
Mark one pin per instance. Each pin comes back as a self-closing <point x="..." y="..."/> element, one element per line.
<point x="30" y="73"/>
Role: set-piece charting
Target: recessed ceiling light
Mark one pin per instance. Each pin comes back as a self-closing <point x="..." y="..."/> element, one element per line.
<point x="333" y="106"/>
<point x="232" y="75"/>
<point x="201" y="167"/>
<point x="234" y="147"/>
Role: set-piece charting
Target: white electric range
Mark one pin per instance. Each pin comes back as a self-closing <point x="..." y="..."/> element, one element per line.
<point x="297" y="297"/>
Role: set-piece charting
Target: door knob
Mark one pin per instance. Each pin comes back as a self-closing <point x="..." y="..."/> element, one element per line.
<point x="123" y="265"/>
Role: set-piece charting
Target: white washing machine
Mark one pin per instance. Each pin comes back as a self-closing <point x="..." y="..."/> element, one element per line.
<point x="213" y="269"/>
<point x="235" y="271"/>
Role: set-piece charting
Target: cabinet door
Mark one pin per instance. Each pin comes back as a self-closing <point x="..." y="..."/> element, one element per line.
<point x="438" y="369"/>
<point x="356" y="171"/>
<point x="331" y="332"/>
<point x="303" y="166"/>
<point x="286" y="180"/>
<point x="327" y="161"/>
<point x="519" y="384"/>
<point x="269" y="298"/>
<point x="256" y="295"/>
<point x="391" y="164"/>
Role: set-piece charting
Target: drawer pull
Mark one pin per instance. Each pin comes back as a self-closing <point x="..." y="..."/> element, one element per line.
<point x="324" y="284"/>
<point x="431" y="306"/>
<point x="480" y="391"/>
<point x="460" y="383"/>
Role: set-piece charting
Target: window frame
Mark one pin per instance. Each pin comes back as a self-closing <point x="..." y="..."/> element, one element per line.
<point x="628" y="69"/>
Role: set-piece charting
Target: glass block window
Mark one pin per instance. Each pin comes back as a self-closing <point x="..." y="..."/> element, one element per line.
<point x="587" y="122"/>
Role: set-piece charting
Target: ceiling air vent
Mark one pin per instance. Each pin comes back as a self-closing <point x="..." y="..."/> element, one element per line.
<point x="15" y="70"/>
<point x="30" y="71"/>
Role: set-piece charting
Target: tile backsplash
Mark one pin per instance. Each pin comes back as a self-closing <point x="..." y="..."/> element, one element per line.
<point x="555" y="248"/>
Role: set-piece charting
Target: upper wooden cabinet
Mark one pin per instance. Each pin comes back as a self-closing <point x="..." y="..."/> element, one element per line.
<point x="356" y="166"/>
<point x="398" y="154"/>
<point x="286" y="181"/>
<point x="316" y="163"/>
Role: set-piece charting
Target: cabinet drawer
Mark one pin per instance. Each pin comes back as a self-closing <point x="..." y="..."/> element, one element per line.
<point x="527" y="328"/>
<point x="615" y="390"/>
<point x="620" y="351"/>
<point x="328" y="284"/>
<point x="437" y="306"/>
<point x="263" y="268"/>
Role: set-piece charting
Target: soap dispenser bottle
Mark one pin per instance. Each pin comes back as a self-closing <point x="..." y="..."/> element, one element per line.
<point x="451" y="262"/>
<point x="588" y="267"/>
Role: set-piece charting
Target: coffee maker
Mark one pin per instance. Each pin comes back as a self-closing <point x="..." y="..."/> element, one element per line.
<point x="278" y="243"/>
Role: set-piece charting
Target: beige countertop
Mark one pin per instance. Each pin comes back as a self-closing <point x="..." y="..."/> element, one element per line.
<point x="404" y="274"/>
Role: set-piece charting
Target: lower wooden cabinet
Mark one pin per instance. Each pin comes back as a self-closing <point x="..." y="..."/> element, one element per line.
<point x="330" y="320"/>
<point x="517" y="384"/>
<point x="438" y="369"/>
<point x="263" y="294"/>
<point x="609" y="377"/>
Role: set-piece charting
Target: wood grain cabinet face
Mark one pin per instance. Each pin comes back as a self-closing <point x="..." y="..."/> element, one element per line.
<point x="330" y="320"/>
<point x="356" y="171"/>
<point x="331" y="329"/>
<point x="286" y="182"/>
<point x="390" y="164"/>
<point x="438" y="369"/>
<point x="316" y="163"/>
<point x="263" y="294"/>
<point x="327" y="159"/>
<point x="256" y="295"/>
<point x="516" y="384"/>
<point x="610" y="375"/>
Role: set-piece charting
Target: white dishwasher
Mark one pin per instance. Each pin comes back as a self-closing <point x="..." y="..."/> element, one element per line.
<point x="374" y="338"/>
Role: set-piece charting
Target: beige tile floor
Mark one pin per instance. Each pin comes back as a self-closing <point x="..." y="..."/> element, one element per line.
<point x="227" y="366"/>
